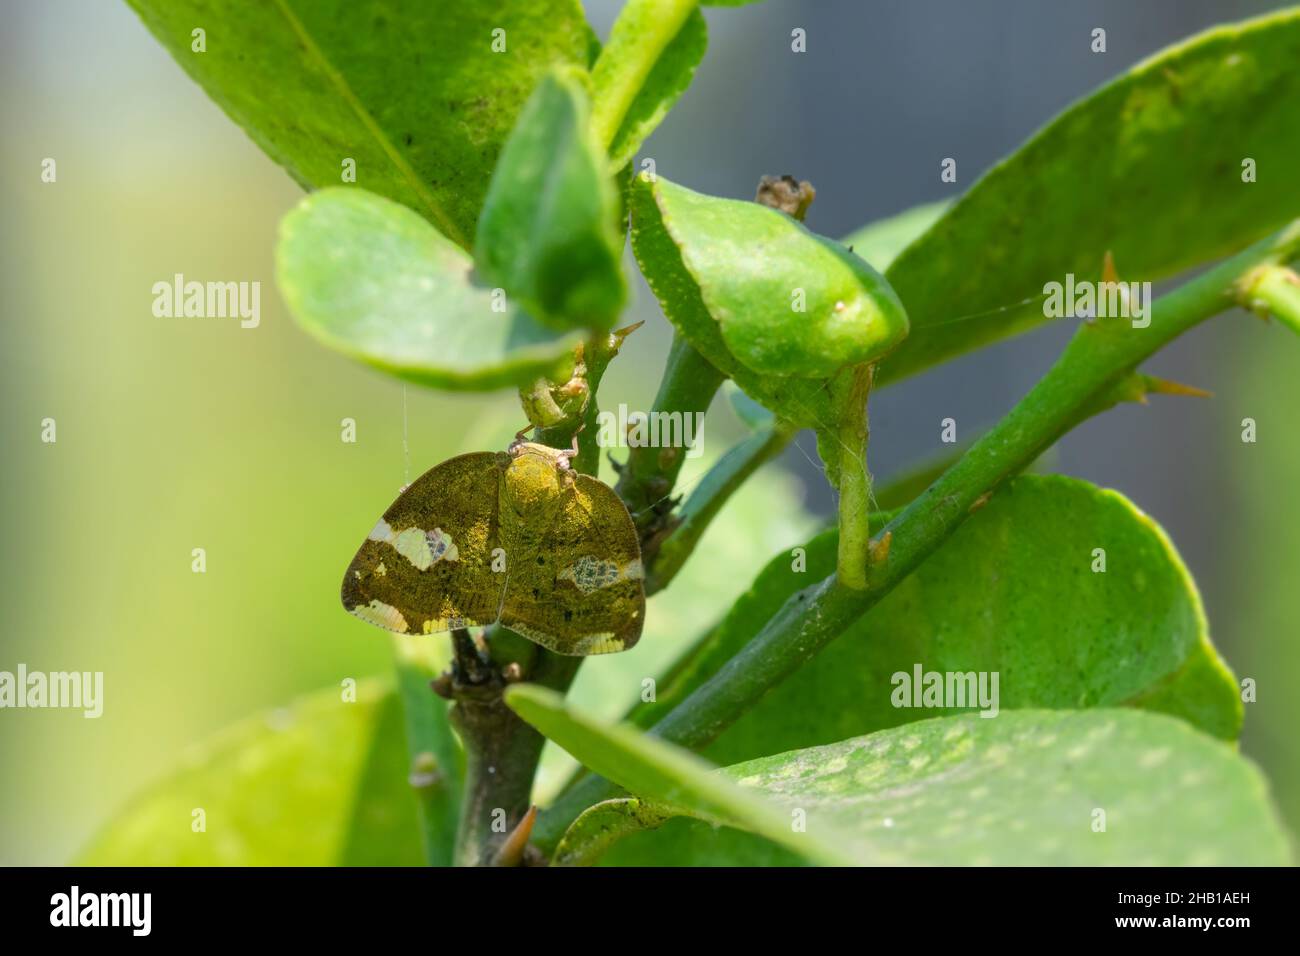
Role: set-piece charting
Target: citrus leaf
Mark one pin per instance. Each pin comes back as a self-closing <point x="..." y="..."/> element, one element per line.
<point x="1013" y="591"/>
<point x="791" y="317"/>
<point x="1148" y="168"/>
<point x="785" y="301"/>
<point x="666" y="82"/>
<point x="549" y="229"/>
<point x="675" y="780"/>
<point x="414" y="93"/>
<point x="322" y="782"/>
<point x="373" y="280"/>
<point x="1029" y="788"/>
<point x="802" y="401"/>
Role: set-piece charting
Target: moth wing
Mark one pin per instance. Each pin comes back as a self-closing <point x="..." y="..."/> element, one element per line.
<point x="583" y="590"/>
<point x="427" y="565"/>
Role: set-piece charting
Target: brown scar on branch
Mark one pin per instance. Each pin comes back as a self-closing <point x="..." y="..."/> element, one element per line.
<point x="979" y="502"/>
<point x="878" y="549"/>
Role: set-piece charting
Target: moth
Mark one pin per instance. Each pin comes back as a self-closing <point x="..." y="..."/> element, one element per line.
<point x="515" y="537"/>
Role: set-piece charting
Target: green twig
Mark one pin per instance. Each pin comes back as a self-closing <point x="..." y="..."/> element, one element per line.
<point x="1274" y="290"/>
<point x="501" y="751"/>
<point x="647" y="478"/>
<point x="594" y="358"/>
<point x="1099" y="356"/>
<point x="855" y="481"/>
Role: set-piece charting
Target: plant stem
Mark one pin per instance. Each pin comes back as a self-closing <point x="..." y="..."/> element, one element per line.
<point x="1275" y="290"/>
<point x="597" y="353"/>
<point x="501" y="751"/>
<point x="643" y="30"/>
<point x="1101" y="354"/>
<point x="855" y="481"/>
<point x="647" y="478"/>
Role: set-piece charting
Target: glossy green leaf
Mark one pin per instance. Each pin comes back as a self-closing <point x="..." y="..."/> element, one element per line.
<point x="322" y="782"/>
<point x="792" y="318"/>
<point x="802" y="401"/>
<point x="1013" y="591"/>
<point x="1029" y="788"/>
<point x="549" y="230"/>
<point x="373" y="280"/>
<point x="1150" y="168"/>
<point x="674" y="780"/>
<point x="880" y="242"/>
<point x="413" y="92"/>
<point x="785" y="302"/>
<point x="666" y="82"/>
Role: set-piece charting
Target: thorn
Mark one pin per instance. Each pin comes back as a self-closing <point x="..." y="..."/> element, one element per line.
<point x="1108" y="273"/>
<point x="511" y="852"/>
<point x="1163" y="386"/>
<point x="618" y="336"/>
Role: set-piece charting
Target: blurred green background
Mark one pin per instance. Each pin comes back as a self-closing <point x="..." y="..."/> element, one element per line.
<point x="182" y="433"/>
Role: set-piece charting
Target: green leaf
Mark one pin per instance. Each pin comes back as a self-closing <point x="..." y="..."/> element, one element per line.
<point x="674" y="780"/>
<point x="666" y="82"/>
<point x="549" y="229"/>
<point x="1025" y="789"/>
<point x="793" y="318"/>
<point x="412" y="91"/>
<point x="1149" y="168"/>
<point x="373" y="280"/>
<point x="785" y="302"/>
<point x="803" y="402"/>
<point x="880" y="242"/>
<point x="323" y="782"/>
<point x="1013" y="591"/>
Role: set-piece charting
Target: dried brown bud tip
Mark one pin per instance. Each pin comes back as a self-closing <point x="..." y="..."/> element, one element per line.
<point x="786" y="194"/>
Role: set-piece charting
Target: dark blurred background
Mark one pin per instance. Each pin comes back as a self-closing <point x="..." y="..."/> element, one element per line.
<point x="174" y="434"/>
